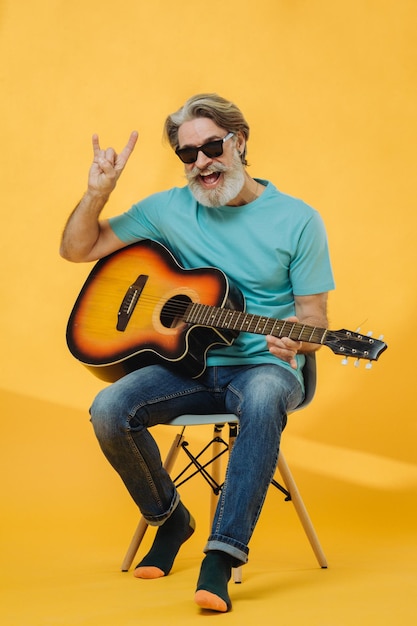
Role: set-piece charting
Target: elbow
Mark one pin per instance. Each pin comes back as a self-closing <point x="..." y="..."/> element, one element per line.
<point x="69" y="255"/>
<point x="63" y="253"/>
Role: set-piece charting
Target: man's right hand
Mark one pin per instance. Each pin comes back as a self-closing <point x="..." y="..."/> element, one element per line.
<point x="85" y="236"/>
<point x="108" y="165"/>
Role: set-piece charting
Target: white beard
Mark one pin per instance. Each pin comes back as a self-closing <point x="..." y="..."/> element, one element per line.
<point x="233" y="181"/>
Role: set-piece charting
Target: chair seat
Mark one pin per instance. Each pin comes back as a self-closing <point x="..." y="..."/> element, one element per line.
<point x="203" y="420"/>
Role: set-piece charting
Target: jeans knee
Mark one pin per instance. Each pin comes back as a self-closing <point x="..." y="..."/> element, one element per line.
<point x="269" y="395"/>
<point x="279" y="387"/>
<point x="267" y="392"/>
<point x="105" y="416"/>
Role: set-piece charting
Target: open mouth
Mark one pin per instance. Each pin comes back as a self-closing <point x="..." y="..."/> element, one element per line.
<point x="210" y="179"/>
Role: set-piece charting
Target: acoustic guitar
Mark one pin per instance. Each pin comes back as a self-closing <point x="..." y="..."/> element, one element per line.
<point x="138" y="307"/>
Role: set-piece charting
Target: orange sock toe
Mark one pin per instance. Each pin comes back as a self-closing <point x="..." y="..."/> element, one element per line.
<point x="149" y="572"/>
<point x="207" y="600"/>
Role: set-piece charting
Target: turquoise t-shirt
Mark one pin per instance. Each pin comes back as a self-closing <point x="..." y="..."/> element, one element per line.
<point x="272" y="249"/>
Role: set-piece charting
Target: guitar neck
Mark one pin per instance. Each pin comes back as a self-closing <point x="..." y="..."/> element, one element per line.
<point x="218" y="317"/>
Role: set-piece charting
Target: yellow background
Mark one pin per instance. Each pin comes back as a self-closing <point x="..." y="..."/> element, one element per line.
<point x="328" y="88"/>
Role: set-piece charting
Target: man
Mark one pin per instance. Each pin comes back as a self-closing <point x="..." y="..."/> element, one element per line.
<point x="274" y="248"/>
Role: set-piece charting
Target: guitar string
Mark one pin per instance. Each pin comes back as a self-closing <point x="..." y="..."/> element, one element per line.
<point x="177" y="308"/>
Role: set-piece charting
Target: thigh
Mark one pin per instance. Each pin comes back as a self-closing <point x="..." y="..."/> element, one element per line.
<point x="156" y="393"/>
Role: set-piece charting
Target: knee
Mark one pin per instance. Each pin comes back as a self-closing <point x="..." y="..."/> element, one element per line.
<point x="106" y="416"/>
<point x="269" y="397"/>
<point x="268" y="391"/>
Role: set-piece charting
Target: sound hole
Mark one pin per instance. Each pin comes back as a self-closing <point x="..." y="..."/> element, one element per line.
<point x="173" y="311"/>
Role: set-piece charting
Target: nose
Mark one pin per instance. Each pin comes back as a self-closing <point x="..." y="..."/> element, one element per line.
<point x="202" y="160"/>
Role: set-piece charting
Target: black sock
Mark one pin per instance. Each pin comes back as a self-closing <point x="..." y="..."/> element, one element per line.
<point x="215" y="573"/>
<point x="169" y="537"/>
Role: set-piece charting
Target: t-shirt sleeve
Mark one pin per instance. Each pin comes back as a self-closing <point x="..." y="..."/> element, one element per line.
<point x="310" y="269"/>
<point x="139" y="222"/>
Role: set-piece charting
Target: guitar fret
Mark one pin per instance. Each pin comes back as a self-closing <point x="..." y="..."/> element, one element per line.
<point x="269" y="324"/>
<point x="300" y="334"/>
<point x="282" y="330"/>
<point x="275" y="324"/>
<point x="323" y="335"/>
<point x="200" y="314"/>
<point x="258" y="321"/>
<point x="292" y="328"/>
<point x="244" y="325"/>
<point x="216" y="317"/>
<point x="251" y="327"/>
<point x="209" y="315"/>
<point x="261" y="320"/>
<point x="219" y="317"/>
<point x="234" y="319"/>
<point x="190" y="313"/>
<point x="222" y="314"/>
<point x="229" y="318"/>
<point x="237" y="322"/>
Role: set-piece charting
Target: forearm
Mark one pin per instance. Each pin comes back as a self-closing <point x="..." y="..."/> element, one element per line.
<point x="311" y="311"/>
<point x="82" y="230"/>
<point x="314" y="322"/>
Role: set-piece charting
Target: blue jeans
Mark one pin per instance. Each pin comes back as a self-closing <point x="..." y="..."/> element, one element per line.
<point x="260" y="395"/>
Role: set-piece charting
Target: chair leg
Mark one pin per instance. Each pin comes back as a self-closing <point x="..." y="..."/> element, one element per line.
<point x="233" y="430"/>
<point x="217" y="475"/>
<point x="142" y="527"/>
<point x="301" y="510"/>
<point x="216" y="467"/>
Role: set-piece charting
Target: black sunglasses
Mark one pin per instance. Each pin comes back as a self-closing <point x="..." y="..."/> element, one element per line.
<point x="212" y="149"/>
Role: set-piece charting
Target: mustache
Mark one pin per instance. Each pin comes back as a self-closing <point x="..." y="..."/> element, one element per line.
<point x="210" y="169"/>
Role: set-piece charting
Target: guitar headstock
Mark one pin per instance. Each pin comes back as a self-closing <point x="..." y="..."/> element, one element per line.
<point x="353" y="344"/>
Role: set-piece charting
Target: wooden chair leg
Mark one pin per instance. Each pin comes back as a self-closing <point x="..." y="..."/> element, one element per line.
<point x="233" y="430"/>
<point x="216" y="468"/>
<point x="217" y="475"/>
<point x="301" y="510"/>
<point x="142" y="527"/>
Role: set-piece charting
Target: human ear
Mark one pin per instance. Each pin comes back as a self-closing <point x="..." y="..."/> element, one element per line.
<point x="240" y="142"/>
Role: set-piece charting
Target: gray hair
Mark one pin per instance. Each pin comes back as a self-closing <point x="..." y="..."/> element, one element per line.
<point x="223" y="113"/>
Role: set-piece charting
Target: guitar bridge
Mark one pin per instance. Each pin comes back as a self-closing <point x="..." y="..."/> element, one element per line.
<point x="130" y="301"/>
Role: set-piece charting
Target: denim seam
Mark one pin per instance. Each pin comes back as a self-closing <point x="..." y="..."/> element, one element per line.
<point x="159" y="399"/>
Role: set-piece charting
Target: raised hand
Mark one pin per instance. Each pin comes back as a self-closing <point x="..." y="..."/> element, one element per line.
<point x="108" y="165"/>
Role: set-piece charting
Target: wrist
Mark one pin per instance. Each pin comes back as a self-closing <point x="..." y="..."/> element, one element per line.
<point x="307" y="348"/>
<point x="96" y="195"/>
<point x="94" y="201"/>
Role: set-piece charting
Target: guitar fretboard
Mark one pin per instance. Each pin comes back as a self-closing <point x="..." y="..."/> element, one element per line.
<point x="218" y="317"/>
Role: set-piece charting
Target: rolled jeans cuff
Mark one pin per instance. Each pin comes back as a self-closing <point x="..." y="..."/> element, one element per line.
<point x="160" y="519"/>
<point x="239" y="552"/>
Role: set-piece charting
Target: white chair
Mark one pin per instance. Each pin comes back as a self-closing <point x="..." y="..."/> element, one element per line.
<point x="218" y="447"/>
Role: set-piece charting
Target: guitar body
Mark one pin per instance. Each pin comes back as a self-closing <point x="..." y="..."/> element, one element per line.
<point x="128" y="313"/>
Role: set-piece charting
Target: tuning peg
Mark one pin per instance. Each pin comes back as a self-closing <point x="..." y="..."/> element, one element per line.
<point x="357" y="363"/>
<point x="369" y="334"/>
<point x="368" y="366"/>
<point x="381" y="337"/>
<point x="345" y="361"/>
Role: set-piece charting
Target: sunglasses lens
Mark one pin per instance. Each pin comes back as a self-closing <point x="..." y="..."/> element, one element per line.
<point x="187" y="155"/>
<point x="212" y="149"/>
